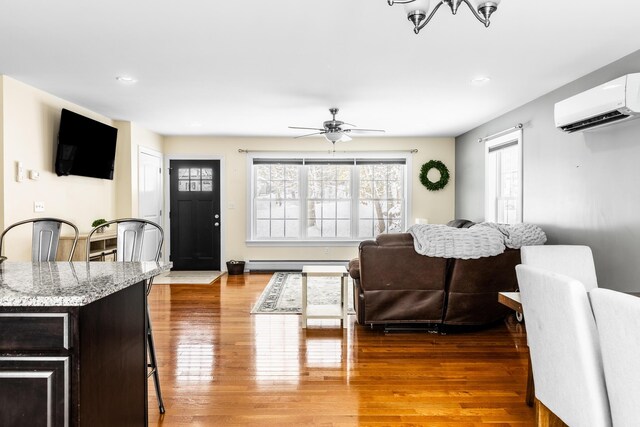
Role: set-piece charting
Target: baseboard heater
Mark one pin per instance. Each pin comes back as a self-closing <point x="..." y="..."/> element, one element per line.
<point x="257" y="266"/>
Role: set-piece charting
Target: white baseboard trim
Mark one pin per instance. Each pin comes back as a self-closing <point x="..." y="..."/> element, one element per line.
<point x="288" y="265"/>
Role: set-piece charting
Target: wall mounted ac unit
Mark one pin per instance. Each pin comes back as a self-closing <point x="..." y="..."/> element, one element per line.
<point x="609" y="103"/>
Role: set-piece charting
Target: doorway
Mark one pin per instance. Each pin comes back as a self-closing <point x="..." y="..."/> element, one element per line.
<point x="150" y="198"/>
<point x="194" y="214"/>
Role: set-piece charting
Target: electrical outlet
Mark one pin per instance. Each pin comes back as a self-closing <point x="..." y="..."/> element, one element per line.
<point x="38" y="206"/>
<point x="326" y="251"/>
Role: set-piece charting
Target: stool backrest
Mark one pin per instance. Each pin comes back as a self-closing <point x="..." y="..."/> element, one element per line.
<point x="130" y="238"/>
<point x="44" y="238"/>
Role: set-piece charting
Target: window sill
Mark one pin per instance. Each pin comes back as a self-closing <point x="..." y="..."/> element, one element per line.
<point x="304" y="243"/>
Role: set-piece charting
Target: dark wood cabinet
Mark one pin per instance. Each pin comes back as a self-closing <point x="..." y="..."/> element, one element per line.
<point x="34" y="391"/>
<point x="75" y="366"/>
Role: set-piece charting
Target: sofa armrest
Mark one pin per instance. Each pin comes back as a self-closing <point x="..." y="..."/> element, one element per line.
<point x="354" y="268"/>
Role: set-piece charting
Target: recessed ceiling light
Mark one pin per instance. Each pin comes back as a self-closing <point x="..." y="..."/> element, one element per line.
<point x="126" y="79"/>
<point x="481" y="80"/>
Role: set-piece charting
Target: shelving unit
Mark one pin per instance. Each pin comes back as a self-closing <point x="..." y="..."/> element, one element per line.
<point x="102" y="247"/>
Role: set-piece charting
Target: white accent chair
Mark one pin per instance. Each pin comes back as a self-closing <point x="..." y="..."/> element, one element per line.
<point x="564" y="349"/>
<point x="571" y="260"/>
<point x="618" y="320"/>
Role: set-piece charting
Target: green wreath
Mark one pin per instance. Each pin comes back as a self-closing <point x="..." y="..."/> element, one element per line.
<point x="444" y="175"/>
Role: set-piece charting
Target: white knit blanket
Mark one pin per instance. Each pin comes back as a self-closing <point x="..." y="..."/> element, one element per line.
<point x="480" y="240"/>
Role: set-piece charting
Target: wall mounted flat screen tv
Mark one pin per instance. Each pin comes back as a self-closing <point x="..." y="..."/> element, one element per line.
<point x="86" y="147"/>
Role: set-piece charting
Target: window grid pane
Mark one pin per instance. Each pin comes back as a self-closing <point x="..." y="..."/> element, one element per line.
<point x="381" y="204"/>
<point x="276" y="201"/>
<point x="508" y="185"/>
<point x="329" y="201"/>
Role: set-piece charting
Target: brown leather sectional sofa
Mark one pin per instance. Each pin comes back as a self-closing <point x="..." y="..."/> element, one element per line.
<point x="396" y="285"/>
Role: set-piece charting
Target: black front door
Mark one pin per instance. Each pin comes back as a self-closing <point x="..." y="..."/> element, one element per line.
<point x="195" y="214"/>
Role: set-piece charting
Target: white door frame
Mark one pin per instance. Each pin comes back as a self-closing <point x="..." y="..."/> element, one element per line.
<point x="159" y="155"/>
<point x="167" y="200"/>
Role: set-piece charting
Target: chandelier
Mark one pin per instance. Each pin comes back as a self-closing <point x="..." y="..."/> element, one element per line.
<point x="418" y="10"/>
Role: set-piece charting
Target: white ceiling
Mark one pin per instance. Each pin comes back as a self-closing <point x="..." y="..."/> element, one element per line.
<point x="254" y="67"/>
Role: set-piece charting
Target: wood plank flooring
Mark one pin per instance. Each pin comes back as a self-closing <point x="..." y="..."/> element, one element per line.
<point x="219" y="365"/>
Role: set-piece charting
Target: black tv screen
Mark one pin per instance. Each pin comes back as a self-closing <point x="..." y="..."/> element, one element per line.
<point x="86" y="147"/>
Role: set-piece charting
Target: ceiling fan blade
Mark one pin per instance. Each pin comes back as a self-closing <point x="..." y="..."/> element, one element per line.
<point x="298" y="127"/>
<point x="309" y="134"/>
<point x="362" y="130"/>
<point x="348" y="124"/>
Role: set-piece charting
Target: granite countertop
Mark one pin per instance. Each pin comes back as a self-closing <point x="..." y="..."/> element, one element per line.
<point x="46" y="284"/>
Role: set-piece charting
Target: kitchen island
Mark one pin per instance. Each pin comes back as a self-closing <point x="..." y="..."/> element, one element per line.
<point x="73" y="343"/>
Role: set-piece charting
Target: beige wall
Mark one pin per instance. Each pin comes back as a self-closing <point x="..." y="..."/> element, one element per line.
<point x="131" y="138"/>
<point x="437" y="207"/>
<point x="30" y="124"/>
<point x="29" y="120"/>
<point x="4" y="167"/>
<point x="122" y="171"/>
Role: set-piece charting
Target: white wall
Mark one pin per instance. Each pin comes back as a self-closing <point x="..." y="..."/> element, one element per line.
<point x="438" y="207"/>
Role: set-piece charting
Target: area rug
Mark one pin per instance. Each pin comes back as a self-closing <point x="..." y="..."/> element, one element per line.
<point x="187" y="278"/>
<point x="283" y="294"/>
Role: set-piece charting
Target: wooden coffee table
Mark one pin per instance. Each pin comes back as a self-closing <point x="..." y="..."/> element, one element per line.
<point x="325" y="311"/>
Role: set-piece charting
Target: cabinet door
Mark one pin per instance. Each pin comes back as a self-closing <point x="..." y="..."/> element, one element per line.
<point x="34" y="391"/>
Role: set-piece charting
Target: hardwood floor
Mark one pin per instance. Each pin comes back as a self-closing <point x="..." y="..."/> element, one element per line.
<point x="219" y="365"/>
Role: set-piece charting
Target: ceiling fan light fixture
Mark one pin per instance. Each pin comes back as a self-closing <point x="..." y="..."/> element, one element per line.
<point x="333" y="130"/>
<point x="334" y="136"/>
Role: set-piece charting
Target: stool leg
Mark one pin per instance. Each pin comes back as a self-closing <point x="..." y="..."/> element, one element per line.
<point x="154" y="363"/>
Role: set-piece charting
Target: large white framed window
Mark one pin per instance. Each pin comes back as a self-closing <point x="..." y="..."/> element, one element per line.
<point x="503" y="178"/>
<point x="316" y="198"/>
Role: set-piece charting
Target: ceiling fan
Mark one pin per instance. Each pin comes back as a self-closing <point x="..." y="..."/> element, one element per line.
<point x="333" y="129"/>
